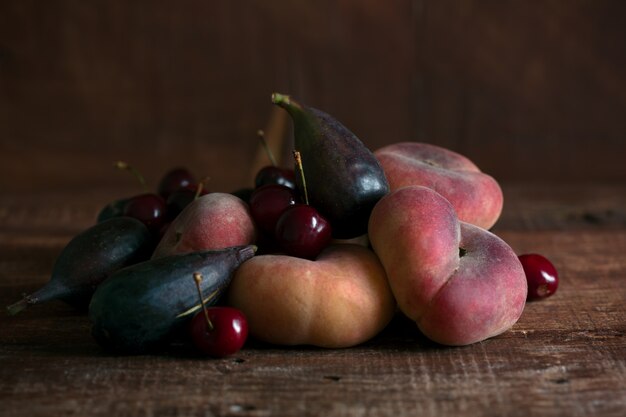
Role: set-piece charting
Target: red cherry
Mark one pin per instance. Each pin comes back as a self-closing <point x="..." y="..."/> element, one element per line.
<point x="268" y="202"/>
<point x="244" y="194"/>
<point x="541" y="276"/>
<point x="148" y="208"/>
<point x="174" y="180"/>
<point x="301" y="231"/>
<point x="227" y="336"/>
<point x="177" y="201"/>
<point x="275" y="175"/>
<point x="181" y="198"/>
<point x="162" y="230"/>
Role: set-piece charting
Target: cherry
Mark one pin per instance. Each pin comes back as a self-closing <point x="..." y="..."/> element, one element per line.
<point x="177" y="201"/>
<point x="227" y="336"/>
<point x="116" y="208"/>
<point x="181" y="198"/>
<point x="174" y="180"/>
<point x="301" y="231"/>
<point x="541" y="276"/>
<point x="244" y="194"/>
<point x="275" y="175"/>
<point x="217" y="331"/>
<point x="162" y="230"/>
<point x="268" y="202"/>
<point x="148" y="208"/>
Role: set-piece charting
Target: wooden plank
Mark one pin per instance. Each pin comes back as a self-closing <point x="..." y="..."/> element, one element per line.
<point x="566" y="355"/>
<point x="529" y="91"/>
<point x="568" y="206"/>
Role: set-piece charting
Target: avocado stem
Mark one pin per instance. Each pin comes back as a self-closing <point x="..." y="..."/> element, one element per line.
<point x="197" y="277"/>
<point x="298" y="158"/>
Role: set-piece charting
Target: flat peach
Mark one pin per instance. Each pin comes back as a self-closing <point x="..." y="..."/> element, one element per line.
<point x="476" y="196"/>
<point x="460" y="283"/>
<point x="341" y="299"/>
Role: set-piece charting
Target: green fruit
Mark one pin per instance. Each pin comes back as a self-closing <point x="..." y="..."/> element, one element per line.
<point x="139" y="306"/>
<point x="88" y="259"/>
<point x="344" y="178"/>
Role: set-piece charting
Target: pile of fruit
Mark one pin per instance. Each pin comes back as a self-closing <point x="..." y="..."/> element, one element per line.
<point x="322" y="255"/>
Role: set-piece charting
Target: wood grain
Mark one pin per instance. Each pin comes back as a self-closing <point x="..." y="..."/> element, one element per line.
<point x="565" y="357"/>
<point x="530" y="91"/>
<point x="533" y="92"/>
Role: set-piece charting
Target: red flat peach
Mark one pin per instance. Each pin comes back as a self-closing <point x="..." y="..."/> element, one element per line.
<point x="476" y="196"/>
<point x="461" y="284"/>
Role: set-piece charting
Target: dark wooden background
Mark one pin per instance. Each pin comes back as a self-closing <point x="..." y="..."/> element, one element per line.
<point x="532" y="91"/>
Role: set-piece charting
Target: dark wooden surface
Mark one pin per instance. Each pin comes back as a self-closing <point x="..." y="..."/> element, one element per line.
<point x="565" y="357"/>
<point x="533" y="92"/>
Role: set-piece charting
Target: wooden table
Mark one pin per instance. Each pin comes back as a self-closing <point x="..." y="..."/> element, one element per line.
<point x="566" y="356"/>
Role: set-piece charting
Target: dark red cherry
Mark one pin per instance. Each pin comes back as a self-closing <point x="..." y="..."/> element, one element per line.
<point x="301" y="231"/>
<point x="541" y="276"/>
<point x="179" y="199"/>
<point x="148" y="208"/>
<point x="268" y="202"/>
<point x="162" y="230"/>
<point x="244" y="194"/>
<point x="275" y="175"/>
<point x="176" y="179"/>
<point x="227" y="335"/>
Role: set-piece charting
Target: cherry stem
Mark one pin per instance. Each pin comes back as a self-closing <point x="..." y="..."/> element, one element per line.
<point x="298" y="158"/>
<point x="200" y="186"/>
<point x="126" y="166"/>
<point x="197" y="277"/>
<point x="268" y="151"/>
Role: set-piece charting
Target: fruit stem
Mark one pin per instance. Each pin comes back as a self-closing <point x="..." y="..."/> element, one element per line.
<point x="298" y="158"/>
<point x="197" y="277"/>
<point x="128" y="167"/>
<point x="15" y="308"/>
<point x="200" y="187"/>
<point x="268" y="151"/>
<point x="286" y="103"/>
<point x="280" y="99"/>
